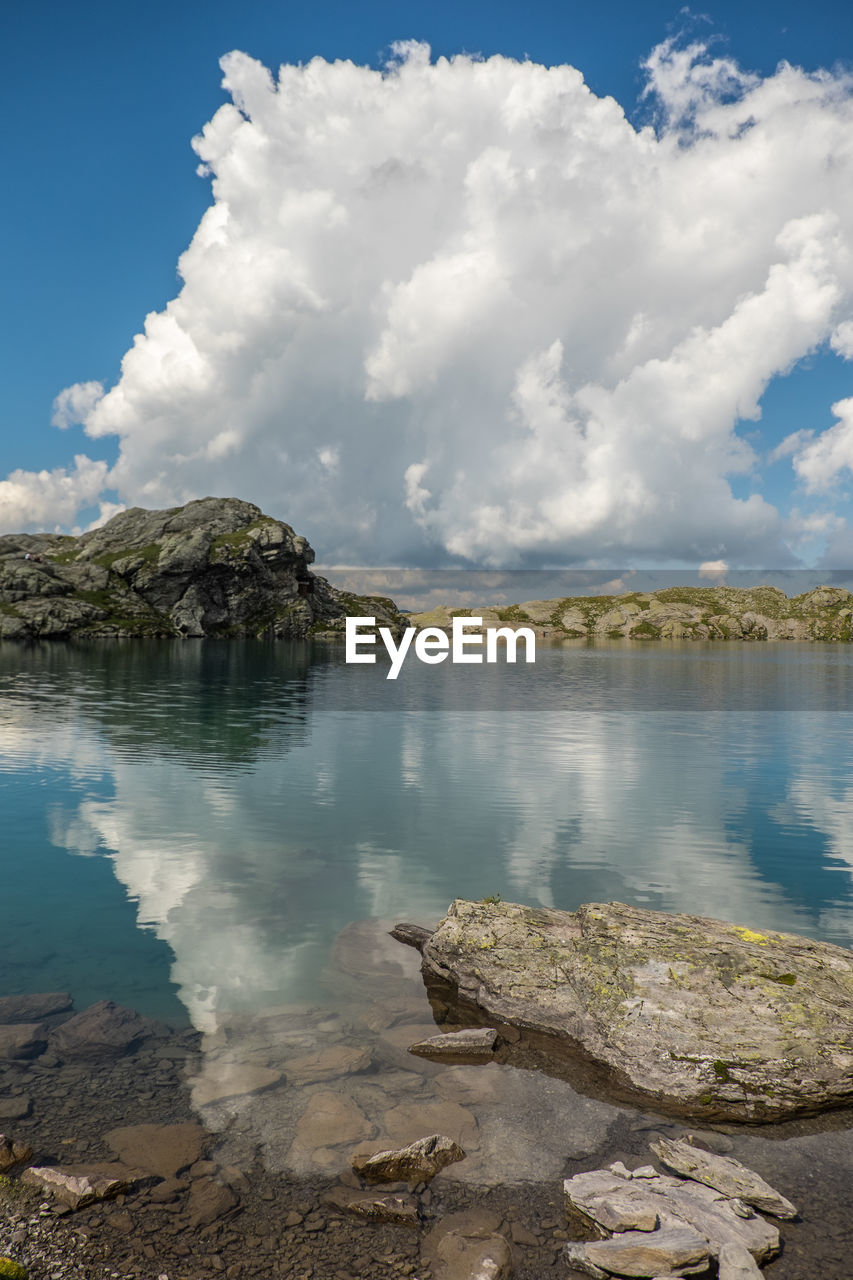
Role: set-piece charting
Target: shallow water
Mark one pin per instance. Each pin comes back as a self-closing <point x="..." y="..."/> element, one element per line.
<point x="195" y="829"/>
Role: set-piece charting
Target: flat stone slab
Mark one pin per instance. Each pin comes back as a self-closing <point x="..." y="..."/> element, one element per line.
<point x="164" y="1149"/>
<point x="636" y="1253"/>
<point x="473" y="1044"/>
<point x="705" y="1018"/>
<point x="723" y="1174"/>
<point x="79" y="1185"/>
<point x="601" y="1197"/>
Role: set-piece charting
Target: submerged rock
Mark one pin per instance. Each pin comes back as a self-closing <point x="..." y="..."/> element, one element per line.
<point x="702" y="1017"/>
<point x="22" y="1040"/>
<point x="387" y="1206"/>
<point x="103" y="1031"/>
<point x="418" y="1162"/>
<point x="468" y="1246"/>
<point x="164" y="1149"/>
<point x="32" y="1008"/>
<point x="723" y="1174"/>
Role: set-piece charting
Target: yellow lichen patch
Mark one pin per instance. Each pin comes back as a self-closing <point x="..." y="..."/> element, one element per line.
<point x="749" y="935"/>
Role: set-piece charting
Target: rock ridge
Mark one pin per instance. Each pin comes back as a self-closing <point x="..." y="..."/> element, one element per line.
<point x="213" y="567"/>
<point x="675" y="613"/>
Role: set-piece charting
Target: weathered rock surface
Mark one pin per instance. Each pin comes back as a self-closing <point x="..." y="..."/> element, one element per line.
<point x="163" y="1149"/>
<point x="600" y="1198"/>
<point x="215" y="567"/>
<point x="79" y="1185"/>
<point x="104" y="1030"/>
<point x="723" y="1174"/>
<point x="32" y="1008"/>
<point x="737" y="1263"/>
<point x="473" y="1044"/>
<point x="677" y="1250"/>
<point x="703" y="1017"/>
<point x="675" y="613"/>
<point x="420" y="1161"/>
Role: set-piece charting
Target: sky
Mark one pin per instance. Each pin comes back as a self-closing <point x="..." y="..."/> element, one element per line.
<point x="471" y="284"/>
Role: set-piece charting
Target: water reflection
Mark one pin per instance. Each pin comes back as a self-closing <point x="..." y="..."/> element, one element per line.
<point x="254" y="801"/>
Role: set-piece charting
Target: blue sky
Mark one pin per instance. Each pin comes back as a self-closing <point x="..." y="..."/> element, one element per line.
<point x="101" y="101"/>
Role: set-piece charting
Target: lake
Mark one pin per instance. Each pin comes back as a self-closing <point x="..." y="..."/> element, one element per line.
<point x="189" y="825"/>
<point x="219" y="835"/>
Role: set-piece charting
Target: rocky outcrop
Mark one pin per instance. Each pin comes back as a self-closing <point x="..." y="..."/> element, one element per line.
<point x="676" y="613"/>
<point x="656" y="1225"/>
<point x="215" y="567"/>
<point x="697" y="1016"/>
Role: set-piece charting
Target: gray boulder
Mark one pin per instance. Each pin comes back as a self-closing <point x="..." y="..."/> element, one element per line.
<point x="698" y="1016"/>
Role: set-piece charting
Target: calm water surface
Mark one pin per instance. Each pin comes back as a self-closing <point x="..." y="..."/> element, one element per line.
<point x="188" y="826"/>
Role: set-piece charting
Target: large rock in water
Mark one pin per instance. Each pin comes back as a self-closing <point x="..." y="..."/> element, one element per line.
<point x="214" y="567"/>
<point x="704" y="1018"/>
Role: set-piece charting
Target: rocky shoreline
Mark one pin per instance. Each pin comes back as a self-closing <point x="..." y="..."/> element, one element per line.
<point x="209" y="1133"/>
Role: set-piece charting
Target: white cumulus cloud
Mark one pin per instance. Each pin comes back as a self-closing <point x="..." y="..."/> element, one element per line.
<point x="466" y="307"/>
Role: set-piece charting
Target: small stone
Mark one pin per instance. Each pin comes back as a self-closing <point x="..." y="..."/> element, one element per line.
<point x="473" y="1045"/>
<point x="208" y="1201"/>
<point x="644" y="1171"/>
<point x="420" y="1161"/>
<point x="737" y="1263"/>
<point x="12" y="1153"/>
<point x="619" y="1169"/>
<point x="293" y="1219"/>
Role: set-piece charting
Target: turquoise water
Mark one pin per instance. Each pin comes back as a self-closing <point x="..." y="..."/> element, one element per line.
<point x="188" y="826"/>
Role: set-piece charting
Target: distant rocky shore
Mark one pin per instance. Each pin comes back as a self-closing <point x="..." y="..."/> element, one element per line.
<point x="220" y="567"/>
<point x="676" y="613"/>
